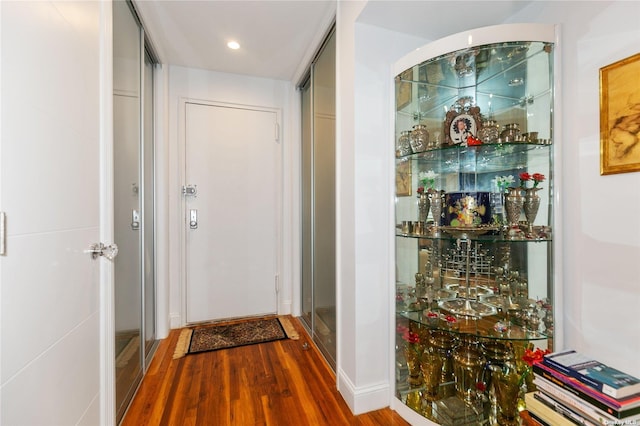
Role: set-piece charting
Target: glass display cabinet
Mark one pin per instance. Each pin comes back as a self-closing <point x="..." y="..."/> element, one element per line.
<point x="474" y="148"/>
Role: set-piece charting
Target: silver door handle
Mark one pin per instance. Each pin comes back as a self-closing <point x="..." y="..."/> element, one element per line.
<point x="98" y="249"/>
<point x="193" y="219"/>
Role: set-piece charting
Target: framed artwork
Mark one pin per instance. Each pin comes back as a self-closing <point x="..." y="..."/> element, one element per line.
<point x="620" y="116"/>
<point x="403" y="89"/>
<point x="461" y="121"/>
<point x="461" y="127"/>
<point x="403" y="178"/>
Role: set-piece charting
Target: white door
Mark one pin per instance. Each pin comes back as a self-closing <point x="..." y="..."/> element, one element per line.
<point x="50" y="325"/>
<point x="232" y="160"/>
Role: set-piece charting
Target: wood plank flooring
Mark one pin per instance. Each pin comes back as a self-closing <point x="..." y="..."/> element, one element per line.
<point x="276" y="383"/>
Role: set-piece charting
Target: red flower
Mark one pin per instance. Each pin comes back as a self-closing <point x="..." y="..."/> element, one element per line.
<point x="524" y="177"/>
<point x="531" y="356"/>
<point x="473" y="141"/>
<point x="411" y="337"/>
<point x="450" y="318"/>
<point x="420" y="190"/>
<point x="537" y="178"/>
<point x="432" y="315"/>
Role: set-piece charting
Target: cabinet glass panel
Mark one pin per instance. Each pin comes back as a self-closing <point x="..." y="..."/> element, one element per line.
<point x="474" y="225"/>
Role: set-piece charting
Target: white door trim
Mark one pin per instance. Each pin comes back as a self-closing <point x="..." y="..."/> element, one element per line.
<point x="107" y="320"/>
<point x="183" y="101"/>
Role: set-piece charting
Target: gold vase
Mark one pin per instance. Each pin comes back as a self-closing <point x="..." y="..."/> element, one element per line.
<point x="497" y="354"/>
<point x="442" y="344"/>
<point x="431" y="367"/>
<point x="412" y="356"/>
<point x="506" y="382"/>
<point x="468" y="364"/>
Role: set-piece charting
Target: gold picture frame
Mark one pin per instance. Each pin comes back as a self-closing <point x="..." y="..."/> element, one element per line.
<point x="404" y="89"/>
<point x="620" y="116"/>
<point x="403" y="178"/>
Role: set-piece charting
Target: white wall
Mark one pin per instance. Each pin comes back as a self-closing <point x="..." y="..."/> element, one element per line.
<point x="365" y="182"/>
<point x="236" y="89"/>
<point x="601" y="234"/>
<point x="601" y="246"/>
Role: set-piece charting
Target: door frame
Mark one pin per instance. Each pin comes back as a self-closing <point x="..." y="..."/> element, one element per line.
<point x="182" y="217"/>
<point x="107" y="302"/>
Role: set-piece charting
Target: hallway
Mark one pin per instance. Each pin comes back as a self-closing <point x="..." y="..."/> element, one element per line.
<point x="277" y="383"/>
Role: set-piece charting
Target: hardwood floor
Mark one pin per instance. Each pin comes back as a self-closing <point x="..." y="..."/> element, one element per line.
<point x="276" y="383"/>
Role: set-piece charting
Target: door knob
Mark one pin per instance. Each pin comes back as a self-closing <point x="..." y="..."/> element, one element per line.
<point x="108" y="252"/>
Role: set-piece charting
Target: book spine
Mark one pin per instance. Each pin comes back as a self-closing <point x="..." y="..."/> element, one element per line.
<point x="549" y="415"/>
<point x="571" y="401"/>
<point x="537" y="418"/>
<point x="549" y="362"/>
<point x="573" y="416"/>
<point x="576" y="392"/>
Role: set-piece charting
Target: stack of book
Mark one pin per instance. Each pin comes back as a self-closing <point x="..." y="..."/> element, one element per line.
<point x="575" y="389"/>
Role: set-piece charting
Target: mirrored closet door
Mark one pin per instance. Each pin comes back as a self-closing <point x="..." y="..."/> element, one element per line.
<point x="318" y="200"/>
<point x="134" y="282"/>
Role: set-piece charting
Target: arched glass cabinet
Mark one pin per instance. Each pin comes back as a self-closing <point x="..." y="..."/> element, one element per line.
<point x="475" y="220"/>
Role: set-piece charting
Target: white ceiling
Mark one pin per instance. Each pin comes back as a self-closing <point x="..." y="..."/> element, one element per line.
<point x="432" y="19"/>
<point x="278" y="37"/>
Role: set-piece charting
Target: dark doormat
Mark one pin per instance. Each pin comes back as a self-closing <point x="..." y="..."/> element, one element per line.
<point x="230" y="335"/>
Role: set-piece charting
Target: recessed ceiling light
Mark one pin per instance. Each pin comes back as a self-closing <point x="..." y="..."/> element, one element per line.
<point x="233" y="45"/>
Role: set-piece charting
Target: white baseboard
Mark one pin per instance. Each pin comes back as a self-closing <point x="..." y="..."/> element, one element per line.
<point x="363" y="399"/>
<point x="175" y="321"/>
<point x="285" y="307"/>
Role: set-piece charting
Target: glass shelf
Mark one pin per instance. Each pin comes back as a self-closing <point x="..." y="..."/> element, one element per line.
<point x="488" y="238"/>
<point x="485" y="158"/>
<point x="498" y="77"/>
<point x="484" y="327"/>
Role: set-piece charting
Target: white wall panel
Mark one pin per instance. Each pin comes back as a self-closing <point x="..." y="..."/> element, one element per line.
<point x="59" y="385"/>
<point x="36" y="299"/>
